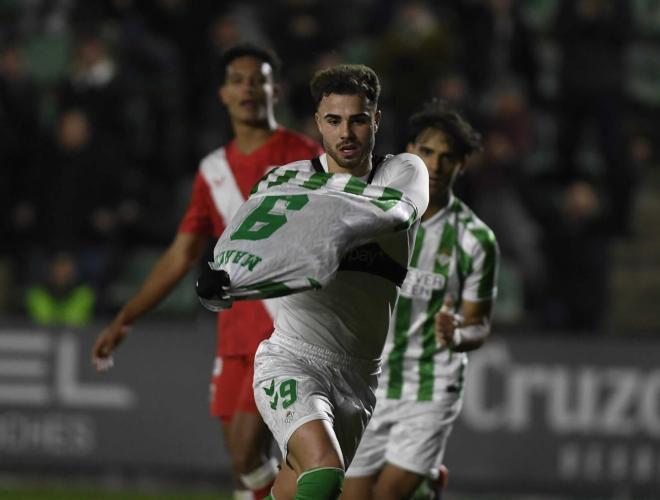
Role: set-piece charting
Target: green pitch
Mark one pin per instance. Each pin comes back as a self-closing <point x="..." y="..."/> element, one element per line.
<point x="64" y="493"/>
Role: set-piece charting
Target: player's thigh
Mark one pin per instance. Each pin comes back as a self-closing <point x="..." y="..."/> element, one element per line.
<point x="312" y="445"/>
<point x="285" y="483"/>
<point x="395" y="483"/>
<point x="358" y="488"/>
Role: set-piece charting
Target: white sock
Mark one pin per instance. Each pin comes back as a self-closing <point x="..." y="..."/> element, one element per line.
<point x="243" y="495"/>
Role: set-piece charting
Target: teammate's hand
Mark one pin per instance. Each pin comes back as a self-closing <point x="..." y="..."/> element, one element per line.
<point x="446" y="323"/>
<point x="106" y="343"/>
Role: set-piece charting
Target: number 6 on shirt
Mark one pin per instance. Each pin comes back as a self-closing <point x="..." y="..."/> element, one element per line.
<point x="261" y="223"/>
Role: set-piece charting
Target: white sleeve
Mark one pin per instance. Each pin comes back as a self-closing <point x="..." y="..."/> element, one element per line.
<point x="407" y="173"/>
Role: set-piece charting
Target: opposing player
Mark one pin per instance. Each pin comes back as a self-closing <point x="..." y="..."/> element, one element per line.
<point x="453" y="268"/>
<point x="225" y="177"/>
<point x="315" y="377"/>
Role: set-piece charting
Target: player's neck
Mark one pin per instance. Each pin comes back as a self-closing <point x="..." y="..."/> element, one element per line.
<point x="249" y="137"/>
<point x="357" y="171"/>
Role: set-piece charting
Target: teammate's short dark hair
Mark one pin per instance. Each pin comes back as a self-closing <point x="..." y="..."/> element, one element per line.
<point x="248" y="50"/>
<point x="346" y="79"/>
<point x="441" y="115"/>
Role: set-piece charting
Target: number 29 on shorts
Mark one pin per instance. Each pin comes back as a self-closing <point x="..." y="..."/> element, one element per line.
<point x="286" y="393"/>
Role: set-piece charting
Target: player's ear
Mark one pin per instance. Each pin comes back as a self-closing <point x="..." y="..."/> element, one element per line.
<point x="410" y="148"/>
<point x="376" y="120"/>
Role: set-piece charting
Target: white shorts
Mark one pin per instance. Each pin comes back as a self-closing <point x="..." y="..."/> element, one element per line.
<point x="295" y="383"/>
<point x="411" y="435"/>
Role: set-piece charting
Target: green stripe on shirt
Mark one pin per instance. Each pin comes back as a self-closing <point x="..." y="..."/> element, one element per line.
<point x="401" y="330"/>
<point x="487" y="241"/>
<point x="429" y="343"/>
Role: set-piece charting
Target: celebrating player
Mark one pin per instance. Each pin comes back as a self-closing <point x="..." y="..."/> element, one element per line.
<point x="224" y="179"/>
<point x="453" y="268"/>
<point x="315" y="377"/>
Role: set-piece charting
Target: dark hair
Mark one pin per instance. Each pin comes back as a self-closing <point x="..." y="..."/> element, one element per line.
<point x="248" y="50"/>
<point x="345" y="79"/>
<point x="441" y="115"/>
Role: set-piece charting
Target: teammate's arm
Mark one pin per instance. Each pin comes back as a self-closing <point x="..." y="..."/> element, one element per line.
<point x="180" y="256"/>
<point x="467" y="333"/>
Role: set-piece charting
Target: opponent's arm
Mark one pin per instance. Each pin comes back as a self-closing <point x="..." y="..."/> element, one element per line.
<point x="180" y="256"/>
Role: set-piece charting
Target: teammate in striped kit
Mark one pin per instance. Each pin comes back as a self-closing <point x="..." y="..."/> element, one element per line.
<point x="453" y="268"/>
<point x="221" y="185"/>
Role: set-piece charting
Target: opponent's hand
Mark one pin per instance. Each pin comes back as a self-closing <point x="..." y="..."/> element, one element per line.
<point x="106" y="343"/>
<point x="446" y="323"/>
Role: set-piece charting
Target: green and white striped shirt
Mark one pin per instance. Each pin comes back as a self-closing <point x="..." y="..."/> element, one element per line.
<point x="414" y="366"/>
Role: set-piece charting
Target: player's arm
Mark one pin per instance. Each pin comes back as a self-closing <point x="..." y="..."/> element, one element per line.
<point x="467" y="332"/>
<point x="411" y="177"/>
<point x="180" y="256"/>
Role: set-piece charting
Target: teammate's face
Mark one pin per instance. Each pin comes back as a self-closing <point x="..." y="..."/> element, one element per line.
<point x="442" y="162"/>
<point x="348" y="125"/>
<point x="248" y="91"/>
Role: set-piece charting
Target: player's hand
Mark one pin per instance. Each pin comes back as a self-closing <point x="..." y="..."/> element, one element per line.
<point x="212" y="286"/>
<point x="446" y="323"/>
<point x="106" y="343"/>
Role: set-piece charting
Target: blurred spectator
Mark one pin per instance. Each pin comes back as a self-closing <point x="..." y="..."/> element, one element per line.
<point x="19" y="124"/>
<point x="61" y="299"/>
<point x="78" y="194"/>
<point x="497" y="187"/>
<point x="593" y="35"/>
<point x="93" y="86"/>
<point x="416" y="42"/>
<point x="498" y="45"/>
<point x="577" y="247"/>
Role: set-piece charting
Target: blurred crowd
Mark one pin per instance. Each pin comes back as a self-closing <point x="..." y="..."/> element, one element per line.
<point x="106" y="107"/>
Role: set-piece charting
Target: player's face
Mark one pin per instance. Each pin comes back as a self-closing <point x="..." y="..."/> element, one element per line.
<point x="248" y="91"/>
<point x="442" y="162"/>
<point x="348" y="125"/>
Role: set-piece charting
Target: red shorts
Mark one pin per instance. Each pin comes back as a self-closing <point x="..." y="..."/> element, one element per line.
<point x="231" y="387"/>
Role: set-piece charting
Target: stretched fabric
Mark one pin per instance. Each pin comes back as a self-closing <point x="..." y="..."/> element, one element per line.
<point x="291" y="234"/>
